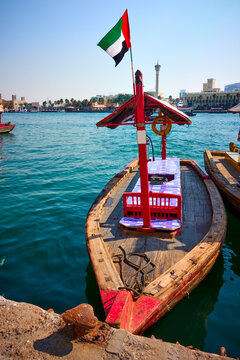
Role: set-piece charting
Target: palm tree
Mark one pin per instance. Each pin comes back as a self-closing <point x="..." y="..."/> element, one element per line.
<point x="85" y="102"/>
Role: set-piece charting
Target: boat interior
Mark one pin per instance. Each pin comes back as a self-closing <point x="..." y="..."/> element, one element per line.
<point x="163" y="248"/>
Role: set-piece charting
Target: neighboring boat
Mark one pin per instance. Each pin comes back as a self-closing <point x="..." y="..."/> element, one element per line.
<point x="235" y="109"/>
<point x="188" y="112"/>
<point x="224" y="169"/>
<point x="5" y="127"/>
<point x="151" y="241"/>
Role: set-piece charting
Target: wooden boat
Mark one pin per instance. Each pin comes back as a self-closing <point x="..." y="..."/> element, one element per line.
<point x="189" y="112"/>
<point x="151" y="243"/>
<point x="5" y="127"/>
<point x="224" y="169"/>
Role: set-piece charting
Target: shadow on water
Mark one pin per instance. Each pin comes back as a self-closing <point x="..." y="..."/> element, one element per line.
<point x="93" y="295"/>
<point x="233" y="240"/>
<point x="186" y="322"/>
<point x="224" y="321"/>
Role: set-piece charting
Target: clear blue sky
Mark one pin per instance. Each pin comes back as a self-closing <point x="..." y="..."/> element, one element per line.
<point x="49" y="47"/>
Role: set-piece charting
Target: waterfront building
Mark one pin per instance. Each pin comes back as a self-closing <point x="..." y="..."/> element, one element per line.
<point x="97" y="106"/>
<point x="232" y="87"/>
<point x="17" y="105"/>
<point x="211" y="97"/>
<point x="181" y="93"/>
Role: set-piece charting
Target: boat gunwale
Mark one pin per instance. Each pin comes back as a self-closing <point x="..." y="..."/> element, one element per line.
<point x="97" y="206"/>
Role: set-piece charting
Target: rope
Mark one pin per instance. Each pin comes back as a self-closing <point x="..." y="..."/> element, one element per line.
<point x="139" y="284"/>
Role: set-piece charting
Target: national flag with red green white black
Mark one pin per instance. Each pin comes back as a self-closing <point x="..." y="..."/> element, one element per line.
<point x="117" y="41"/>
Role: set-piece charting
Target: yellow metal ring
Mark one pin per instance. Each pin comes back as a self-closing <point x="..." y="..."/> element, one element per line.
<point x="161" y="118"/>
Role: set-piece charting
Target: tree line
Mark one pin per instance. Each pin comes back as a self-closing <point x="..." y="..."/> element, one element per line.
<point x="108" y="101"/>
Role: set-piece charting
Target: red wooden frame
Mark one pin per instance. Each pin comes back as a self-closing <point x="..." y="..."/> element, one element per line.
<point x="160" y="207"/>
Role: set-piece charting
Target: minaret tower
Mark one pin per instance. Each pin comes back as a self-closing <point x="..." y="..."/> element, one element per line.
<point x="157" y="68"/>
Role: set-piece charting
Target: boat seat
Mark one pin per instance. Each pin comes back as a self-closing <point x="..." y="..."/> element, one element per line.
<point x="165" y="211"/>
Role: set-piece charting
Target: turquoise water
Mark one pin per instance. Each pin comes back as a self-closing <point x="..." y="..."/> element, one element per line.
<point x="52" y="167"/>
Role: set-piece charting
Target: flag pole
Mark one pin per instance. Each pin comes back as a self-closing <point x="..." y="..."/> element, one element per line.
<point x="133" y="77"/>
<point x="131" y="57"/>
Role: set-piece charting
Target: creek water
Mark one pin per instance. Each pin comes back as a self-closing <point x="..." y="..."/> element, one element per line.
<point x="52" y="167"/>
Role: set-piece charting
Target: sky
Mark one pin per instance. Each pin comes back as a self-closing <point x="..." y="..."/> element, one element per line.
<point x="49" y="47"/>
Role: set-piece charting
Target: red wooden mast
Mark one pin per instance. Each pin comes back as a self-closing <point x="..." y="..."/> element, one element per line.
<point x="142" y="141"/>
<point x="164" y="144"/>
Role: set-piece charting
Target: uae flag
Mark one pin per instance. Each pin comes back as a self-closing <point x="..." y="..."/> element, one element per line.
<point x="117" y="41"/>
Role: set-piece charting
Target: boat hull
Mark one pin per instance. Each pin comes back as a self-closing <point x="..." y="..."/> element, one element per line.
<point x="6" y="129"/>
<point x="225" y="176"/>
<point x="181" y="259"/>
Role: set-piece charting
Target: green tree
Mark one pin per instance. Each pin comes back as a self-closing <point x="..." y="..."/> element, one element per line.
<point x="85" y="102"/>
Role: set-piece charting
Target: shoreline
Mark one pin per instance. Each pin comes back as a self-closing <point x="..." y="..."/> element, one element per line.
<point x="29" y="332"/>
<point x="106" y="111"/>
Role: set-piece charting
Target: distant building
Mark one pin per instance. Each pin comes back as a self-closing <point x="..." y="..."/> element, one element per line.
<point x="211" y="97"/>
<point x="97" y="97"/>
<point x="232" y="87"/>
<point x="209" y="86"/>
<point x="182" y="92"/>
<point x="35" y="105"/>
<point x="97" y="106"/>
<point x="17" y="105"/>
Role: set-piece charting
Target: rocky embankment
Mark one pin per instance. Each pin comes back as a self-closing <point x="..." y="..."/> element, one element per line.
<point x="30" y="333"/>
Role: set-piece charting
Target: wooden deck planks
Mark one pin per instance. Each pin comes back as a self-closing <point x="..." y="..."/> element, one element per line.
<point x="227" y="170"/>
<point x="164" y="250"/>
